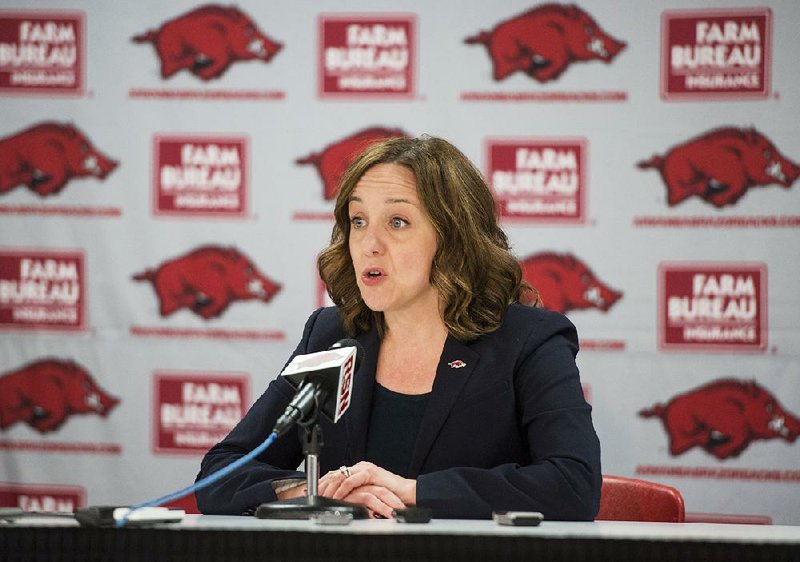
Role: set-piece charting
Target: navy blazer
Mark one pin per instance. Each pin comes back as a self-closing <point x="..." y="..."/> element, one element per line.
<point x="509" y="430"/>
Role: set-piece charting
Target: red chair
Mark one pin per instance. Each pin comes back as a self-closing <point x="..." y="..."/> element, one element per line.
<point x="629" y="499"/>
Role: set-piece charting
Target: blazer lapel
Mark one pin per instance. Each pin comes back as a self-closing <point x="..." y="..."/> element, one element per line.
<point x="456" y="366"/>
<point x="357" y="416"/>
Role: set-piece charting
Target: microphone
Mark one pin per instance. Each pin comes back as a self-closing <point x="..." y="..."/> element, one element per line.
<point x="323" y="379"/>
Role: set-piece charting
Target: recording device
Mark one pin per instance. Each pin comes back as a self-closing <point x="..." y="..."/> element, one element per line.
<point x="109" y="515"/>
<point x="517" y="518"/>
<point x="323" y="380"/>
<point x="100" y="516"/>
<point x="413" y="515"/>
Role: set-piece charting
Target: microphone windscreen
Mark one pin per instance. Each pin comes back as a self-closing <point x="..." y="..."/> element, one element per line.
<point x="350" y="342"/>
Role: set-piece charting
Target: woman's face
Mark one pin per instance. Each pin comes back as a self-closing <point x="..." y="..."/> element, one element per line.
<point x="392" y="241"/>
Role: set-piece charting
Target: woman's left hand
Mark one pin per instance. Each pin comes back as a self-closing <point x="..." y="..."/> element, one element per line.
<point x="338" y="485"/>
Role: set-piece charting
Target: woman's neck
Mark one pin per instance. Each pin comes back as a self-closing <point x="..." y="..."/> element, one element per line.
<point x="426" y="329"/>
<point x="410" y="350"/>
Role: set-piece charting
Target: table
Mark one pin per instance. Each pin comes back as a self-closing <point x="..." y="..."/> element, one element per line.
<point x="205" y="537"/>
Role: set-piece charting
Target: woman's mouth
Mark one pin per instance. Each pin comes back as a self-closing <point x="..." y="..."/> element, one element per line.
<point x="373" y="275"/>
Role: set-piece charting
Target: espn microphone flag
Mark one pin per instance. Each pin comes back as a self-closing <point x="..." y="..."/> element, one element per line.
<point x="333" y="369"/>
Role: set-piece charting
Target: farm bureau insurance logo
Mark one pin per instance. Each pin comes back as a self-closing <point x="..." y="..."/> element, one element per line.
<point x="716" y="53"/>
<point x="195" y="411"/>
<point x="713" y="306"/>
<point x="200" y="176"/>
<point x="367" y="55"/>
<point x="42" y="52"/>
<point x="538" y="180"/>
<point x="42" y="290"/>
<point x="38" y="497"/>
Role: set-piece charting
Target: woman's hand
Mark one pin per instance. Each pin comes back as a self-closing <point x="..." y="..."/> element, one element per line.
<point x="369" y="485"/>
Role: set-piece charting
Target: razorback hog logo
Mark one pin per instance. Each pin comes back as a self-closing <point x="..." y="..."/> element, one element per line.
<point x="544" y="41"/>
<point x="721" y="165"/>
<point x="566" y="283"/>
<point x="45" y="393"/>
<point x="723" y="418"/>
<point x="207" y="280"/>
<point x="333" y="160"/>
<point x="207" y="40"/>
<point x="46" y="156"/>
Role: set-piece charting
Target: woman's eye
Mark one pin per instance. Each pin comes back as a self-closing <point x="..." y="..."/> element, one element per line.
<point x="398" y="222"/>
<point x="357" y="222"/>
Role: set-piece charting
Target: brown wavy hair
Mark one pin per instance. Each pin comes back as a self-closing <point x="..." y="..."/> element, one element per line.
<point x="473" y="270"/>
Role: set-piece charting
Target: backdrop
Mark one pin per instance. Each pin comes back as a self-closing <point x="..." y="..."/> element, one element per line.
<point x="166" y="181"/>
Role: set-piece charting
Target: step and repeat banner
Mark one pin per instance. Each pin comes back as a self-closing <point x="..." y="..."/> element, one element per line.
<point x="167" y="177"/>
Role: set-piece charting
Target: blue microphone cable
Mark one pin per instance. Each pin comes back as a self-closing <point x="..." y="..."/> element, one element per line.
<point x="200" y="484"/>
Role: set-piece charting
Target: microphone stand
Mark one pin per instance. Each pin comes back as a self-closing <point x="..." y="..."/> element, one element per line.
<point x="310" y="504"/>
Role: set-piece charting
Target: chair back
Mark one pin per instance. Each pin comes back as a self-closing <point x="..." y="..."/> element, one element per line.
<point x="630" y="499"/>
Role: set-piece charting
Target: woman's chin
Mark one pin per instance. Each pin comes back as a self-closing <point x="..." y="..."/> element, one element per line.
<point x="375" y="306"/>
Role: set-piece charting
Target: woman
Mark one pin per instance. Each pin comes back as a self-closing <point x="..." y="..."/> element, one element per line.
<point x="466" y="401"/>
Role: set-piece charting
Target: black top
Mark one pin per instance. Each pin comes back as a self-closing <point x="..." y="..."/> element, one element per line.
<point x="393" y="428"/>
<point x="506" y="427"/>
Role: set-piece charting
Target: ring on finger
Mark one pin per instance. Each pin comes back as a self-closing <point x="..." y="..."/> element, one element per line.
<point x="345" y="470"/>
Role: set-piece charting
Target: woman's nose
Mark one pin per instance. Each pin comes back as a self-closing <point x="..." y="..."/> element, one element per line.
<point x="372" y="242"/>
